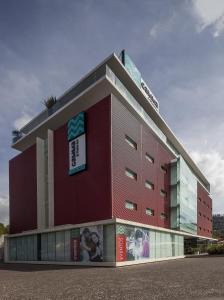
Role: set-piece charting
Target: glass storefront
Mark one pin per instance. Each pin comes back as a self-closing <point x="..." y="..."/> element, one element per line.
<point x="23" y="248"/>
<point x="86" y="244"/>
<point x="135" y="243"/>
<point x="100" y="243"/>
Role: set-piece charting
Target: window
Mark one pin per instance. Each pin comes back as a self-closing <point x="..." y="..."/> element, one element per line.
<point x="163" y="216"/>
<point x="199" y="228"/>
<point x="149" y="212"/>
<point x="149" y="185"/>
<point x="130" y="205"/>
<point x="164" y="168"/>
<point x="130" y="141"/>
<point x="129" y="173"/>
<point x="208" y="218"/>
<point x="149" y="158"/>
<point x="163" y="193"/>
<point x="199" y="214"/>
<point x="199" y="199"/>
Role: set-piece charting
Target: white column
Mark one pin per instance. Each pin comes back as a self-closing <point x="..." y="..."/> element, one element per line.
<point x="51" y="177"/>
<point x="41" y="183"/>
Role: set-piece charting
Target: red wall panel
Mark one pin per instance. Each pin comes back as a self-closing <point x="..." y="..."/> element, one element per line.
<point x="23" y="191"/>
<point x="204" y="212"/>
<point x="85" y="196"/>
<point x="124" y="156"/>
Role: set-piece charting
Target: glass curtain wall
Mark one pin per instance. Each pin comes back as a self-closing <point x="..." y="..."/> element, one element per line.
<point x="183" y="197"/>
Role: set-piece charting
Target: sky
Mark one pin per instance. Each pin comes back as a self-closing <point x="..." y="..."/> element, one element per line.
<point x="48" y="45"/>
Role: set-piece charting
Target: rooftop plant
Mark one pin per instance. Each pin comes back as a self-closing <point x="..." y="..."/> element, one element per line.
<point x="50" y="102"/>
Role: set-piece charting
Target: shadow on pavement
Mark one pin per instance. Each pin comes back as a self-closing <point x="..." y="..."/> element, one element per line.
<point x="203" y="256"/>
<point x="20" y="267"/>
<point x="35" y="268"/>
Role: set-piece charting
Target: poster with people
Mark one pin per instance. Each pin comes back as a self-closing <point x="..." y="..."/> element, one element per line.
<point x="91" y="243"/>
<point x="137" y="243"/>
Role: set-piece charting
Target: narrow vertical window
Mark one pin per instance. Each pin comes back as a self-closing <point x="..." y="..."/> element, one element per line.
<point x="149" y="185"/>
<point x="149" y="158"/>
<point x="163" y="216"/>
<point x="131" y="174"/>
<point x="164" y="168"/>
<point x="131" y="142"/>
<point x="163" y="193"/>
<point x="149" y="212"/>
<point x="130" y="205"/>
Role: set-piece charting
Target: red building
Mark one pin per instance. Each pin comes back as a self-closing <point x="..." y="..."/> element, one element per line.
<point x="101" y="178"/>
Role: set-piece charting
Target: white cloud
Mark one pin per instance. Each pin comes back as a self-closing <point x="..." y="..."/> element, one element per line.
<point x="212" y="165"/>
<point x="18" y="91"/>
<point x="21" y="121"/>
<point x="4" y="209"/>
<point x="210" y="13"/>
<point x="163" y="26"/>
<point x="154" y="30"/>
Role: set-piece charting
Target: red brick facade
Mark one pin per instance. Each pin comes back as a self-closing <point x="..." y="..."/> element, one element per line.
<point x="124" y="156"/>
<point x="85" y="196"/>
<point x="23" y="191"/>
<point x="204" y="212"/>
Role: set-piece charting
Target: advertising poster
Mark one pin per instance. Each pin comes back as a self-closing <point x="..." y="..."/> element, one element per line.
<point x="91" y="243"/>
<point x="121" y="247"/>
<point x="137" y="243"/>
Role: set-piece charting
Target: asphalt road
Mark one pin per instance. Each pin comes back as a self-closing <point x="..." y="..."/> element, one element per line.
<point x="190" y="278"/>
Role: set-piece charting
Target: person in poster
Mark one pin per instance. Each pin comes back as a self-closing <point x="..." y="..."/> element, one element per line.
<point x="91" y="244"/>
<point x="137" y="244"/>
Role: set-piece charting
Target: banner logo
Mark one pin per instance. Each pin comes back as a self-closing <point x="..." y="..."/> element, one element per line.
<point x="77" y="143"/>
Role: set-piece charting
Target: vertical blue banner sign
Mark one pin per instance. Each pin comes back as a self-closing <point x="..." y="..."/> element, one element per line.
<point x="77" y="143"/>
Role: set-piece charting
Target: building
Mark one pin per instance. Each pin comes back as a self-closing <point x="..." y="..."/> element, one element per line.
<point x="218" y="225"/>
<point x="102" y="179"/>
